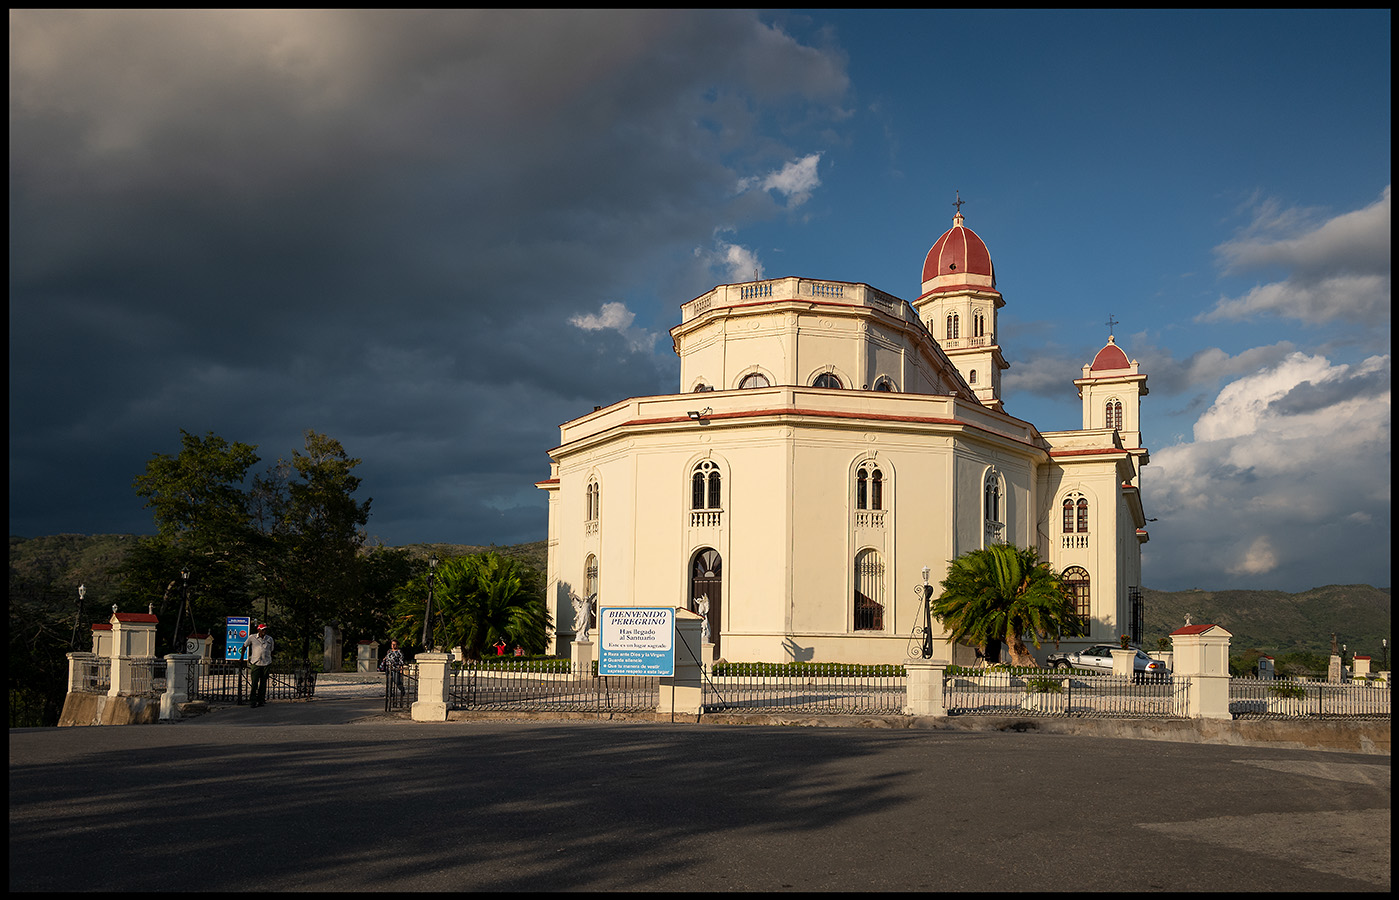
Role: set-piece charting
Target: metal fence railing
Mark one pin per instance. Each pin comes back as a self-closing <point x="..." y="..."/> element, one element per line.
<point x="227" y="681"/>
<point x="823" y="688"/>
<point x="549" y="686"/>
<point x="1041" y="693"/>
<point x="1284" y="698"/>
<point x="400" y="688"/>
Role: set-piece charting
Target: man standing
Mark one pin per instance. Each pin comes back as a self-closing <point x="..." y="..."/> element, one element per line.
<point x="258" y="651"/>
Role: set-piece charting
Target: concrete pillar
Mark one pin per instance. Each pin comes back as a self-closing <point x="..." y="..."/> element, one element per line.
<point x="434" y="684"/>
<point x="925" y="688"/>
<point x="582" y="652"/>
<point x="683" y="693"/>
<point x="102" y="639"/>
<point x="1202" y="656"/>
<point x="367" y="658"/>
<point x="133" y="638"/>
<point x="1124" y="662"/>
<point x="177" y="674"/>
<point x="1360" y="666"/>
<point x="1265" y="668"/>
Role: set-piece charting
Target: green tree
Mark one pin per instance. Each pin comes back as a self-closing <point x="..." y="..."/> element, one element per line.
<point x="1005" y="593"/>
<point x="481" y="598"/>
<point x="313" y="532"/>
<point x="203" y="525"/>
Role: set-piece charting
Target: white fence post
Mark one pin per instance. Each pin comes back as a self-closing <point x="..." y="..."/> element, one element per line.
<point x="177" y="673"/>
<point x="434" y="683"/>
<point x="1202" y="657"/>
<point x="925" y="688"/>
<point x="684" y="692"/>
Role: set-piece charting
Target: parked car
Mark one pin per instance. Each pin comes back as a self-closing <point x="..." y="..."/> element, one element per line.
<point x="1099" y="659"/>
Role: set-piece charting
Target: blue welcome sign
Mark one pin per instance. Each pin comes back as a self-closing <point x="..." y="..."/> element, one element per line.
<point x="636" y="640"/>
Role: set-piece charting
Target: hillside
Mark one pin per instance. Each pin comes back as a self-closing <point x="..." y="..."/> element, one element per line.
<point x="1276" y="621"/>
<point x="47" y="571"/>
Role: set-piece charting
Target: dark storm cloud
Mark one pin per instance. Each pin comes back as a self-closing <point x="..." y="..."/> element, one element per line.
<point x="377" y="225"/>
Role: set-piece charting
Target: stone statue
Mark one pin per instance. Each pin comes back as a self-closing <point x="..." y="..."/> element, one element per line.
<point x="702" y="607"/>
<point x="582" y="617"/>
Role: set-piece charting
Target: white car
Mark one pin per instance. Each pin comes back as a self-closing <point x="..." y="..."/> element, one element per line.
<point x="1099" y="659"/>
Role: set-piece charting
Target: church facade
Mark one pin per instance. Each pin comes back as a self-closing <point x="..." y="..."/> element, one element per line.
<point x="829" y="444"/>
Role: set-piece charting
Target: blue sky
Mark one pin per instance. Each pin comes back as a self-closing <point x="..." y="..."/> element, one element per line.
<point x="436" y="236"/>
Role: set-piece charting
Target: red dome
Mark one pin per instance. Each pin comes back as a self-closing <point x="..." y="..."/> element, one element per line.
<point x="1110" y="357"/>
<point x="959" y="257"/>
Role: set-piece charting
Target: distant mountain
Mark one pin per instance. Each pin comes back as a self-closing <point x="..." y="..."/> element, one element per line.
<point x="49" y="569"/>
<point x="1276" y="621"/>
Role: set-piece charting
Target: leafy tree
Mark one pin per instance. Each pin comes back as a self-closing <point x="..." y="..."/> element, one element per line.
<point x="1005" y="593"/>
<point x="482" y="598"/>
<point x="203" y="524"/>
<point x="312" y="535"/>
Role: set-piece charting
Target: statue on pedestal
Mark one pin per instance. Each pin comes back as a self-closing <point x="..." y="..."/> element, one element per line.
<point x="582" y="617"/>
<point x="702" y="607"/>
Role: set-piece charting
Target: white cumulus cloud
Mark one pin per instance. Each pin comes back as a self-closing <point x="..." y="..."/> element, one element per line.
<point x="1336" y="270"/>
<point x="795" y="181"/>
<point x="616" y="317"/>
<point x="1288" y="471"/>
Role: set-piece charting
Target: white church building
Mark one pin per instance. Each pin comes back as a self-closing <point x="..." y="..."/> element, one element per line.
<point x="830" y="442"/>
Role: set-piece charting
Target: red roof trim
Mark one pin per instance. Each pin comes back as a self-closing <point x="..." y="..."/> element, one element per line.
<point x="1195" y="629"/>
<point x="136" y="617"/>
<point x="101" y="626"/>
<point x="1056" y="453"/>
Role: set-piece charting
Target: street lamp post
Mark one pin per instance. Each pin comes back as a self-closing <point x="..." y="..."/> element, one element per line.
<point x="427" y="613"/>
<point x="927" y="616"/>
<point x="78" y="616"/>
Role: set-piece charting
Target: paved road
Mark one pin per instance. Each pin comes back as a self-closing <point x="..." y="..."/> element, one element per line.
<point x="329" y="795"/>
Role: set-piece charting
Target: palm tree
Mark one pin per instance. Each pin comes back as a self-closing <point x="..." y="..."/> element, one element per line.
<point x="486" y="597"/>
<point x="1005" y="593"/>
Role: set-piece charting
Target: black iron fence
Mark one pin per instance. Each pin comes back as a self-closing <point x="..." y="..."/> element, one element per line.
<point x="1285" y="698"/>
<point x="823" y="688"/>
<point x="548" y="686"/>
<point x="400" y="688"/>
<point x="227" y="681"/>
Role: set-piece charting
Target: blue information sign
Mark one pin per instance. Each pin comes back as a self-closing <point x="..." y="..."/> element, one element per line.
<point x="237" y="633"/>
<point x="636" y="640"/>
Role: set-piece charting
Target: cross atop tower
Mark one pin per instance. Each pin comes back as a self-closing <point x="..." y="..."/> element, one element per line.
<point x="959" y="203"/>
<point x="1111" y="322"/>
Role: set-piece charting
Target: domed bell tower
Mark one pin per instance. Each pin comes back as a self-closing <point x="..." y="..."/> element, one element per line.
<point x="959" y="305"/>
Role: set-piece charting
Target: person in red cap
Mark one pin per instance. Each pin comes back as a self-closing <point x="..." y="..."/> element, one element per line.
<point x="257" y="649"/>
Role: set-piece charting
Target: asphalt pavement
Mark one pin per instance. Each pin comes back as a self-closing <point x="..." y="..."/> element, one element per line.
<point x="331" y="794"/>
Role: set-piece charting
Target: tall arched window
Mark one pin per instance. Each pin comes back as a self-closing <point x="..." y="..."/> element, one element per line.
<point x="869" y="591"/>
<point x="594" y="501"/>
<point x="1114" y="414"/>
<point x="705" y="484"/>
<point x="1075" y="580"/>
<point x="992" y="508"/>
<point x="869" y="487"/>
<point x="971" y="377"/>
<point x="953" y="326"/>
<point x="754" y="380"/>
<point x="1075" y="514"/>
<point x="826" y="380"/>
<point x="978" y="324"/>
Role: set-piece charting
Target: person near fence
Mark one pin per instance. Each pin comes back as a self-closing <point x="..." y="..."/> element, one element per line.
<point x="392" y="664"/>
<point x="257" y="650"/>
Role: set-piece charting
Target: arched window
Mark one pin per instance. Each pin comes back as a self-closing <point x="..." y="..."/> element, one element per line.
<point x="1075" y="514"/>
<point x="971" y="377"/>
<point x="701" y="388"/>
<point x="590" y="576"/>
<point x="953" y="326"/>
<point x="594" y="500"/>
<point x="705" y="483"/>
<point x="869" y="487"/>
<point x="884" y="384"/>
<point x="978" y="324"/>
<point x="826" y="380"/>
<point x="1114" y="414"/>
<point x="991" y="507"/>
<point x="869" y="591"/>
<point x="754" y="380"/>
<point x="1075" y="580"/>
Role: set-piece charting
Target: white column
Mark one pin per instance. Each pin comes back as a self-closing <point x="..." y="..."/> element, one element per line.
<point x="434" y="682"/>
<point x="684" y="692"/>
<point x="1202" y="657"/>
<point x="177" y="672"/>
<point x="925" y="688"/>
